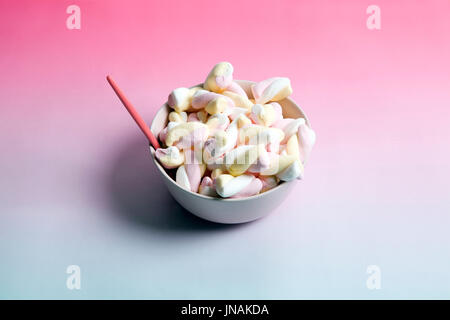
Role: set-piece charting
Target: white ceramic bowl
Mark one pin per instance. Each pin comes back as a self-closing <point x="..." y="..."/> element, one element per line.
<point x="226" y="210"/>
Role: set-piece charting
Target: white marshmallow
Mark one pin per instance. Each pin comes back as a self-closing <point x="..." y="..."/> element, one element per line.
<point x="180" y="99"/>
<point x="170" y="157"/>
<point x="220" y="77"/>
<point x="273" y="89"/>
<point x="293" y="171"/>
<point x="241" y="186"/>
<point x="207" y="187"/>
<point x="306" y="139"/>
<point x="289" y="126"/>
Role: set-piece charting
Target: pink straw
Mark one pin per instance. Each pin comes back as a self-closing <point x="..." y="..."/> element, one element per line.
<point x="134" y="114"/>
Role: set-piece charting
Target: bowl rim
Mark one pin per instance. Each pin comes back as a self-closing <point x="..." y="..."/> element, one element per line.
<point x="281" y="185"/>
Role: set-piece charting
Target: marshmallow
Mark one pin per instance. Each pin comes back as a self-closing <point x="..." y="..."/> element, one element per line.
<point x="238" y="160"/>
<point x="163" y="134"/>
<point x="271" y="139"/>
<point x="193" y="117"/>
<point x="243" y="121"/>
<point x="172" y="124"/>
<point x="193" y="131"/>
<point x="170" y="157"/>
<point x="266" y="114"/>
<point x="180" y="99"/>
<point x="251" y="189"/>
<point x="202" y="97"/>
<point x="189" y="175"/>
<point x="212" y="102"/>
<point x="220" y="77"/>
<point x="293" y="171"/>
<point x="306" y="139"/>
<point x="237" y="89"/>
<point x="215" y="147"/>
<point x="292" y="146"/>
<point x="217" y="105"/>
<point x="193" y="90"/>
<point x="239" y="100"/>
<point x="232" y="135"/>
<point x="262" y="163"/>
<point x="178" y="117"/>
<point x="273" y="89"/>
<point x="215" y="173"/>
<point x="202" y="115"/>
<point x="289" y="126"/>
<point x="194" y="139"/>
<point x="216" y="164"/>
<point x="300" y="144"/>
<point x="236" y="112"/>
<point x="217" y="122"/>
<point x="207" y="188"/>
<point x="254" y="134"/>
<point x="235" y="187"/>
<point x="282" y="149"/>
<point x="268" y="182"/>
<point x="278" y="163"/>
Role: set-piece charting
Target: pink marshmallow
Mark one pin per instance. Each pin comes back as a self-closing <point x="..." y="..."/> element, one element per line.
<point x="236" y="88"/>
<point x="194" y="138"/>
<point x="194" y="174"/>
<point x="268" y="89"/>
<point x="202" y="99"/>
<point x="251" y="189"/>
<point x="306" y="140"/>
<point x="268" y="182"/>
<point x="261" y="164"/>
<point x="163" y="134"/>
<point x="193" y="169"/>
<point x="193" y="117"/>
<point x="224" y="81"/>
<point x="278" y="110"/>
<point x="207" y="187"/>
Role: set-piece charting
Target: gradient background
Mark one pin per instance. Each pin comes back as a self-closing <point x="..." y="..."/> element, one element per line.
<point x="77" y="185"/>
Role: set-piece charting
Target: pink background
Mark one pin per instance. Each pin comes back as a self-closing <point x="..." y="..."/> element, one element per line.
<point x="74" y="168"/>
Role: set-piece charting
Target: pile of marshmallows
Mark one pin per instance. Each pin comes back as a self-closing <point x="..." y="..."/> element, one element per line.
<point x="225" y="144"/>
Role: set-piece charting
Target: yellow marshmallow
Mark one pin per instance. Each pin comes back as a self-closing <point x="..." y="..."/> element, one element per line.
<point x="243" y="121"/>
<point x="219" y="121"/>
<point x="217" y="105"/>
<point x="183" y="129"/>
<point x="239" y="101"/>
<point x="292" y="146"/>
<point x="170" y="157"/>
<point x="177" y="117"/>
<point x="238" y="160"/>
<point x="180" y="99"/>
<point x="223" y="71"/>
<point x="221" y="138"/>
<point x="222" y="180"/>
<point x="202" y="115"/>
<point x="252" y="134"/>
<point x="283" y="93"/>
<point x="278" y="164"/>
<point x="193" y="90"/>
<point x="263" y="114"/>
<point x="216" y="172"/>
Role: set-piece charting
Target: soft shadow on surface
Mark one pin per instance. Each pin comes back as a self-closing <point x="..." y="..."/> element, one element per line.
<point x="139" y="196"/>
